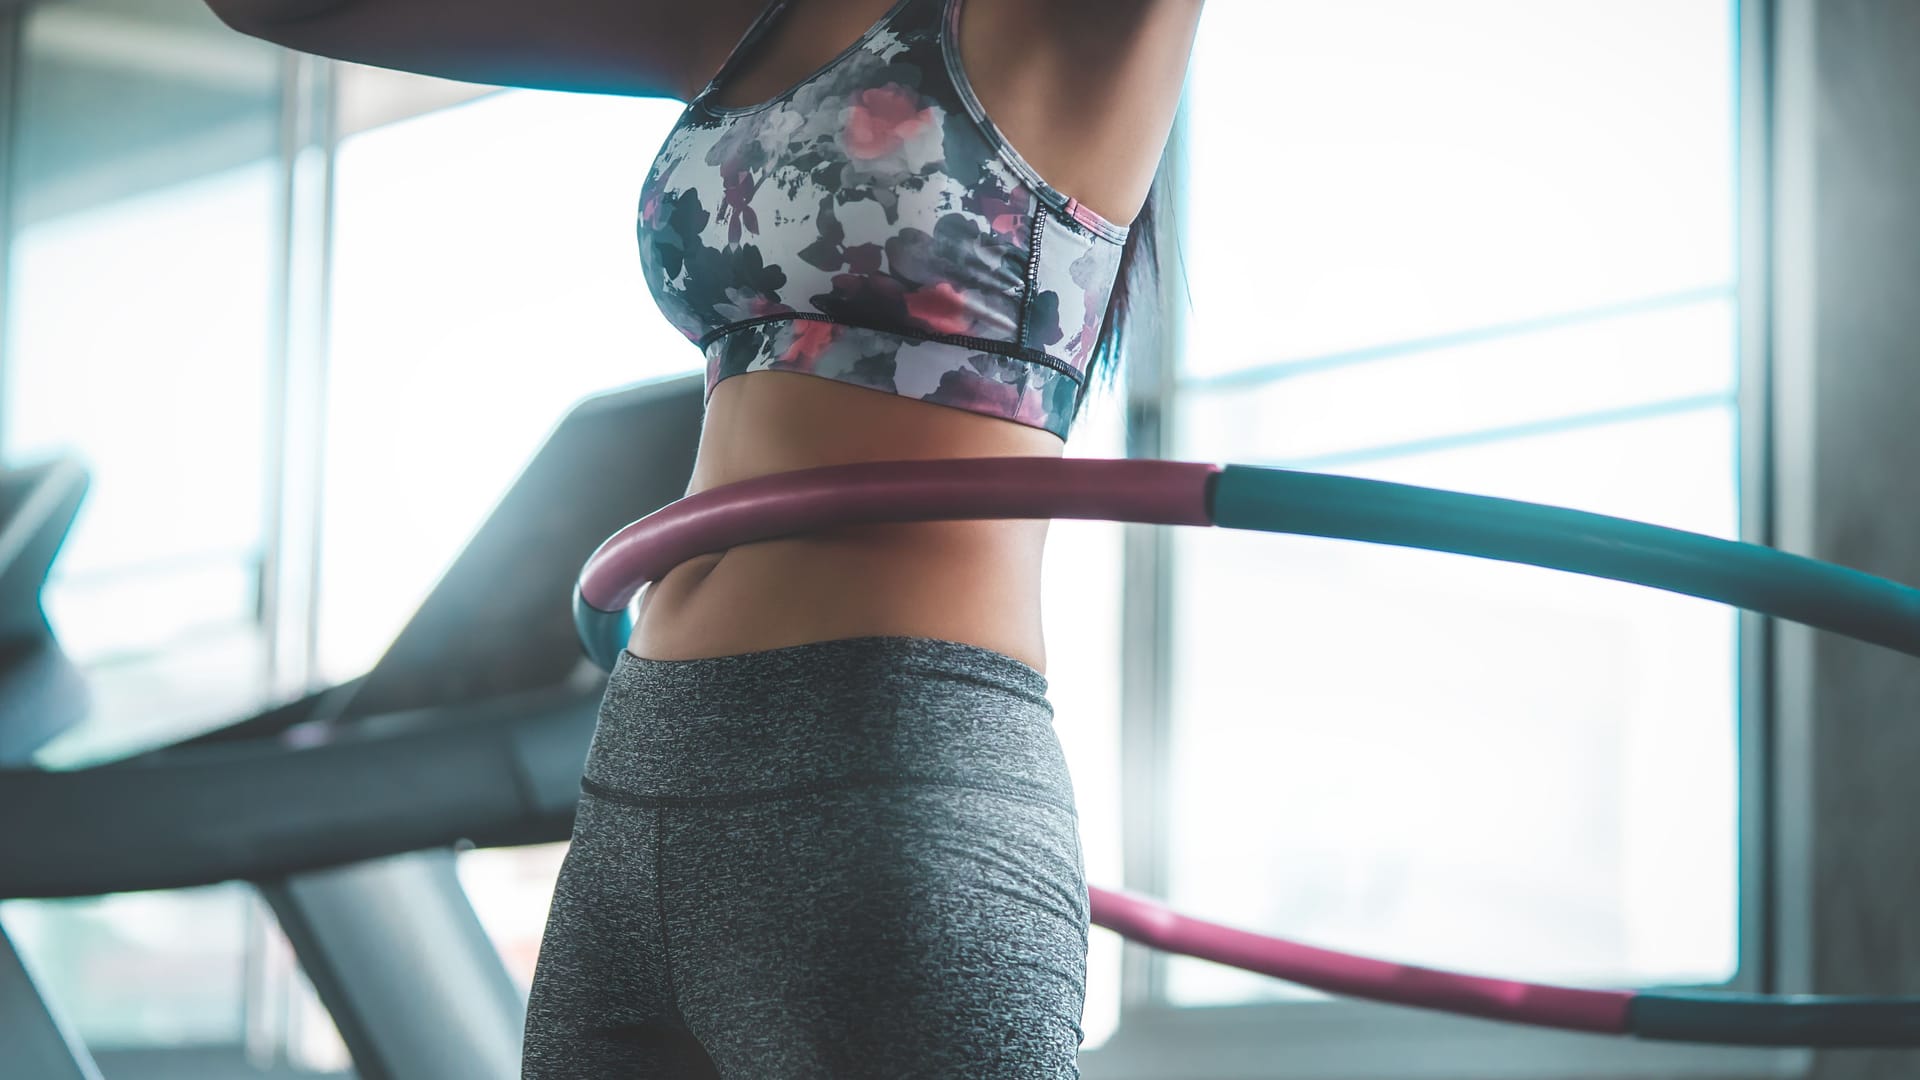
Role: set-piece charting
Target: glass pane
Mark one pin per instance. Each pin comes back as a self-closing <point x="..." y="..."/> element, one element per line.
<point x="511" y="890"/>
<point x="188" y="969"/>
<point x="142" y="267"/>
<point x="311" y="1041"/>
<point x="106" y="617"/>
<point x="1372" y="171"/>
<point x="1493" y="263"/>
<point x="1459" y="762"/>
<point x="1514" y="381"/>
<point x="141" y="274"/>
<point x="141" y="969"/>
<point x="145" y="700"/>
<point x="485" y="278"/>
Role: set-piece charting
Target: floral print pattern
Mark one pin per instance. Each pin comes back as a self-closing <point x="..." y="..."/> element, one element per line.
<point x="871" y="226"/>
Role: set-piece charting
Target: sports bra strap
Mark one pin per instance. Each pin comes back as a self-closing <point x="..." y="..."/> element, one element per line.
<point x="755" y="31"/>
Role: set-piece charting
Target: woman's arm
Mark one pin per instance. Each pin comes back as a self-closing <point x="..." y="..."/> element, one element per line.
<point x="1085" y="90"/>
<point x="641" y="48"/>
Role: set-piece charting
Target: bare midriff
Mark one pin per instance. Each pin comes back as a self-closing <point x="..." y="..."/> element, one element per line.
<point x="976" y="582"/>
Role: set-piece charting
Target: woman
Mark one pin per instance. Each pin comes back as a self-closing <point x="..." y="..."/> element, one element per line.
<point x="827" y="828"/>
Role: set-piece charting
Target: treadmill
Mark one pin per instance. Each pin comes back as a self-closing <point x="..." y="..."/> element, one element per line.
<point x="346" y="807"/>
<point x="41" y="695"/>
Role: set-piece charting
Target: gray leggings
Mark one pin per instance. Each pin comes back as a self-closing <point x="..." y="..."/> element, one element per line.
<point x="854" y="859"/>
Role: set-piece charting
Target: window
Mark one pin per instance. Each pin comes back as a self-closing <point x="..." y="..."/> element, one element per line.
<point x="484" y="279"/>
<point x="140" y="275"/>
<point x="1487" y="247"/>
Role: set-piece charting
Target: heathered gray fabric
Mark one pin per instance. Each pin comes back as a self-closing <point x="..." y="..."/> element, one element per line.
<point x="852" y="859"/>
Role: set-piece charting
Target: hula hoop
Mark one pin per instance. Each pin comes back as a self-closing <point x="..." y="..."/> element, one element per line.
<point x="1748" y="576"/>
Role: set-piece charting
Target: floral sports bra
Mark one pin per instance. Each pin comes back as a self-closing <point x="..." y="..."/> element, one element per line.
<point x="872" y="226"/>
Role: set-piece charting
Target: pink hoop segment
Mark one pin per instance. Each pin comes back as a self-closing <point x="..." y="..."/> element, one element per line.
<point x="1153" y="924"/>
<point x="806" y="500"/>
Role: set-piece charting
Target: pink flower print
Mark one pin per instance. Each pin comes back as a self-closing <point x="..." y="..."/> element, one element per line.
<point x="882" y="120"/>
<point x="942" y="309"/>
<point x="810" y="338"/>
<point x="970" y="390"/>
<point x="1007" y="217"/>
<point x="865" y="258"/>
<point x="747" y="304"/>
<point x="737" y="204"/>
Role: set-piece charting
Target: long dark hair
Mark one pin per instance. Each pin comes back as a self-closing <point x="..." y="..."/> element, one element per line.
<point x="1135" y="283"/>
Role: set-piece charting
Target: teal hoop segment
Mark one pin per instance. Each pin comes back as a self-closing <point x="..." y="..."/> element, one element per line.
<point x="1749" y="576"/>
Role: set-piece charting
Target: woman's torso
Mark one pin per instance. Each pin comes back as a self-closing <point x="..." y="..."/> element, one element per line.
<point x="1097" y="135"/>
<point x="971" y="581"/>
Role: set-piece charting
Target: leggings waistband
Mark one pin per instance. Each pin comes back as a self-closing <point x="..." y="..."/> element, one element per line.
<point x="808" y="718"/>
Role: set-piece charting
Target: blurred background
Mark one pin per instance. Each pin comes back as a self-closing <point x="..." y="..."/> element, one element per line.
<point x="305" y="320"/>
